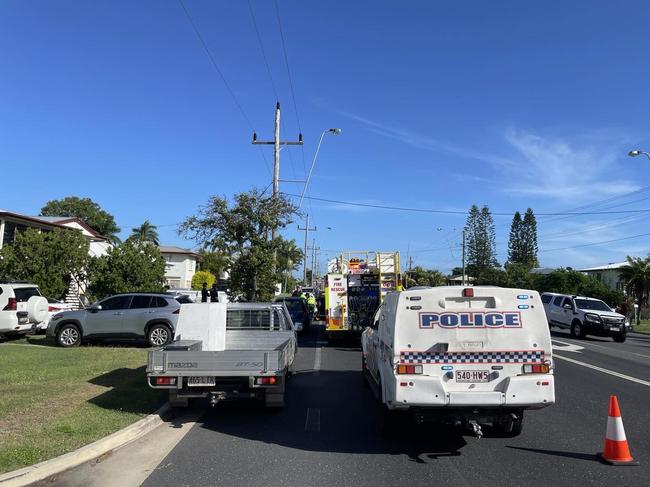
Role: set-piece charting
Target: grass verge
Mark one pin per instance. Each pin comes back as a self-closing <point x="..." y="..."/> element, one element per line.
<point x="644" y="327"/>
<point x="54" y="400"/>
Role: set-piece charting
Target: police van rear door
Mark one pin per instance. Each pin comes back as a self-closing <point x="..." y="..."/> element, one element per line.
<point x="474" y="338"/>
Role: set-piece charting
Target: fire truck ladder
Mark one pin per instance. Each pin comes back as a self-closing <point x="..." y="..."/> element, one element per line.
<point x="388" y="265"/>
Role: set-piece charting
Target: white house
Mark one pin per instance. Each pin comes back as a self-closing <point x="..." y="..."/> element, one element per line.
<point x="609" y="274"/>
<point x="11" y="222"/>
<point x="180" y="266"/>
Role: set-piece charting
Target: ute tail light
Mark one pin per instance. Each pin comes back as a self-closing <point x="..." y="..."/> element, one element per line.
<point x="536" y="368"/>
<point x="266" y="381"/>
<point x="53" y="309"/>
<point x="409" y="369"/>
<point x="12" y="305"/>
<point x="165" y="381"/>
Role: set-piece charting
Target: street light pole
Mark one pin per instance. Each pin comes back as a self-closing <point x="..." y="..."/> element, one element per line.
<point x="313" y="162"/>
<point x="634" y="153"/>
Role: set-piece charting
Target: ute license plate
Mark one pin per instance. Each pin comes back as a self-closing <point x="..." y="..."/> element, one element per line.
<point x="201" y="381"/>
<point x="614" y="328"/>
<point x="472" y="376"/>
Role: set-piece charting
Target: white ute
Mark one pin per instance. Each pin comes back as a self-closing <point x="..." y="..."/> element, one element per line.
<point x="461" y="355"/>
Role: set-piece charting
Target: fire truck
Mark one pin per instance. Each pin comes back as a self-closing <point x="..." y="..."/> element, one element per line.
<point x="355" y="286"/>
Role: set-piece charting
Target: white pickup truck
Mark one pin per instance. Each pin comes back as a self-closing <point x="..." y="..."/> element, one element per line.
<point x="585" y="316"/>
<point x="226" y="351"/>
<point x="464" y="356"/>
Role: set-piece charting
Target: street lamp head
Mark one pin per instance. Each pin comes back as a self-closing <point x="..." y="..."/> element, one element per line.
<point x="335" y="131"/>
<point x="634" y="153"/>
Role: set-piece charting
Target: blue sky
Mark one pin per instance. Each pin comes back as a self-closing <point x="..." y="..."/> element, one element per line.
<point x="442" y="105"/>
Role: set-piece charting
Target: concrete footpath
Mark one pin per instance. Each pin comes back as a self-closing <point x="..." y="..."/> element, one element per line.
<point x="130" y="465"/>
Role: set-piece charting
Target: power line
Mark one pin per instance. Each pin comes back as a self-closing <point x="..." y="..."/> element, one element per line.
<point x="220" y="73"/>
<point x="457" y="212"/>
<point x="293" y="91"/>
<point x="261" y="44"/>
<point x="596" y="243"/>
<point x="286" y="61"/>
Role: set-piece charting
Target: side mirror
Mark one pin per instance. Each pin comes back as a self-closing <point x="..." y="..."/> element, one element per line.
<point x="567" y="306"/>
<point x="95" y="308"/>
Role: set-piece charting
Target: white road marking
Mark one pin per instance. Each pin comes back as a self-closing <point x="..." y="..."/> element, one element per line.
<point x="317" y="361"/>
<point x="605" y="371"/>
<point x="612" y="349"/>
<point x="567" y="347"/>
<point x="312" y="421"/>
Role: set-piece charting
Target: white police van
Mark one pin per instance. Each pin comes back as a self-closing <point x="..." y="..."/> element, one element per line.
<point x="461" y="355"/>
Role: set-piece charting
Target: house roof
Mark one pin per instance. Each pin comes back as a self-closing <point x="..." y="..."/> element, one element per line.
<point x="30" y="219"/>
<point x="170" y="249"/>
<point x="612" y="266"/>
<point x="52" y="222"/>
<point x="62" y="220"/>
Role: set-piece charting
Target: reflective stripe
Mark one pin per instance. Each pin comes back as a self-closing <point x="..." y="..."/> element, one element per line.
<point x="615" y="429"/>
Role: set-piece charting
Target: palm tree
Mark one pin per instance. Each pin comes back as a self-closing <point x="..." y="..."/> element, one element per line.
<point x="636" y="275"/>
<point x="145" y="233"/>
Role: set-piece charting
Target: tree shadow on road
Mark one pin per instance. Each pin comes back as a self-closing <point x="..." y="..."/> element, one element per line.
<point x="348" y="421"/>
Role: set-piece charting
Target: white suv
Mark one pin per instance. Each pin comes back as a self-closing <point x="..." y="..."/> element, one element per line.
<point x="584" y="316"/>
<point x="22" y="308"/>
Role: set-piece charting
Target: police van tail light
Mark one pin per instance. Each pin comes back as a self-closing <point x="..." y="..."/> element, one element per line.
<point x="536" y="368"/>
<point x="409" y="369"/>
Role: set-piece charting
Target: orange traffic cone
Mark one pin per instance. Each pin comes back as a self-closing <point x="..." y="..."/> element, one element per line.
<point x="616" y="449"/>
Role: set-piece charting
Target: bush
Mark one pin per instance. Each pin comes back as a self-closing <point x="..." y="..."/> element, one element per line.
<point x="203" y="277"/>
<point x="129" y="267"/>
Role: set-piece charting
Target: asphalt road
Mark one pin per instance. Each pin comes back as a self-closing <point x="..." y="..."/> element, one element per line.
<point x="328" y="434"/>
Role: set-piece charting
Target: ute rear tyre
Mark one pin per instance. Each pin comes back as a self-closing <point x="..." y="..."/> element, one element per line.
<point x="159" y="335"/>
<point x="577" y="330"/>
<point x="69" y="335"/>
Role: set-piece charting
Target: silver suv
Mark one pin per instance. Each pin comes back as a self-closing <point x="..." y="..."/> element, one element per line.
<point x="22" y="308"/>
<point x="150" y="316"/>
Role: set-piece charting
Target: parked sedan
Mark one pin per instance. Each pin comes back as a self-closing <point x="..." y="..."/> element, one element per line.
<point x="298" y="310"/>
<point x="149" y="316"/>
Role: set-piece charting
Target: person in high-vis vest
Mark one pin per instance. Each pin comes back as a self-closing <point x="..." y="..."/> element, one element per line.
<point x="311" y="302"/>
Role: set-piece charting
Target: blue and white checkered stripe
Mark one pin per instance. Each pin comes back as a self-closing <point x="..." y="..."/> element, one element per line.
<point x="507" y="357"/>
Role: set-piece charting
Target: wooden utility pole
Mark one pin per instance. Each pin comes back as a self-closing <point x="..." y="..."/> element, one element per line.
<point x="304" y="267"/>
<point x="276" y="143"/>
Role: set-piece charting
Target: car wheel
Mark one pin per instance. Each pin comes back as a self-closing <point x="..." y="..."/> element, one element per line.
<point x="619" y="337"/>
<point x="69" y="336"/>
<point x="159" y="335"/>
<point x="577" y="331"/>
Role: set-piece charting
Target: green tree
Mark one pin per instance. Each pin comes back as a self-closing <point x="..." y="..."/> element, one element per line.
<point x="480" y="241"/>
<point x="529" y="240"/>
<point x="242" y="230"/>
<point x="145" y="233"/>
<point x="87" y="210"/>
<point x="128" y="267"/>
<point x="213" y="262"/>
<point x="49" y="259"/>
<point x="636" y="275"/>
<point x="522" y="244"/>
<point x="419" y="276"/>
<point x="514" y="240"/>
<point x="203" y="277"/>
